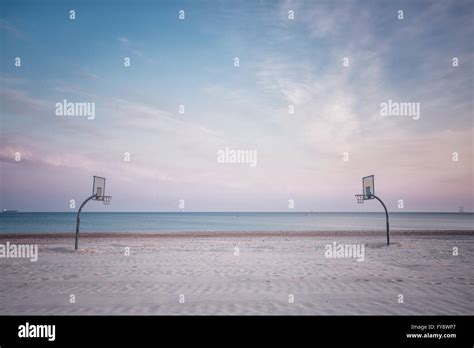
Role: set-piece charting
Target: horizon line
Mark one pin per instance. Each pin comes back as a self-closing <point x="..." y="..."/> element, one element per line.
<point x="243" y="212"/>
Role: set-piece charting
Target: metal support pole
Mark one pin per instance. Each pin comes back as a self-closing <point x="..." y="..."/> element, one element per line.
<point x="78" y="220"/>
<point x="386" y="215"/>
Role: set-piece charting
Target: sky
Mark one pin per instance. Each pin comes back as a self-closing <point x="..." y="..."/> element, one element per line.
<point x="314" y="157"/>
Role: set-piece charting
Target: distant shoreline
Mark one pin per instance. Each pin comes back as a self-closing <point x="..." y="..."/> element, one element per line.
<point x="235" y="212"/>
<point x="234" y="234"/>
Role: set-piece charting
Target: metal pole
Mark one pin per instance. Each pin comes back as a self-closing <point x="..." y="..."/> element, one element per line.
<point x="386" y="215"/>
<point x="78" y="220"/>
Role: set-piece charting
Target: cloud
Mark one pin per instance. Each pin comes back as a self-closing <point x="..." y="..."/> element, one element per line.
<point x="19" y="102"/>
<point x="337" y="108"/>
<point x="10" y="28"/>
<point x="33" y="155"/>
<point x="149" y="118"/>
<point x="128" y="44"/>
<point x="13" y="81"/>
<point x="124" y="40"/>
<point x="89" y="76"/>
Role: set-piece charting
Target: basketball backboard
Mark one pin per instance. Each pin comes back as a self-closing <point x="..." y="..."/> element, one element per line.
<point x="368" y="187"/>
<point x="98" y="188"/>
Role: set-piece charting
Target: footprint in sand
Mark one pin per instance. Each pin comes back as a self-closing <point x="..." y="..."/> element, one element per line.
<point x="70" y="276"/>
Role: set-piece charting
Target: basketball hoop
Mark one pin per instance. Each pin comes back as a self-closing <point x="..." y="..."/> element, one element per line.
<point x="368" y="192"/>
<point x="106" y="200"/>
<point x="360" y="198"/>
<point x="98" y="194"/>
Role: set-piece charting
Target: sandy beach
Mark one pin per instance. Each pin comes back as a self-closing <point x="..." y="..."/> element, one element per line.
<point x="240" y="273"/>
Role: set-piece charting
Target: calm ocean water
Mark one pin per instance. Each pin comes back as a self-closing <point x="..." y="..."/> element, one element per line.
<point x="159" y="222"/>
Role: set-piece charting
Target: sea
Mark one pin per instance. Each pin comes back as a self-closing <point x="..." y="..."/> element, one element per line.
<point x="159" y="222"/>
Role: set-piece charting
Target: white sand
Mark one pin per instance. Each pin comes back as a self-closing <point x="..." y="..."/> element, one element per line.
<point x="259" y="281"/>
